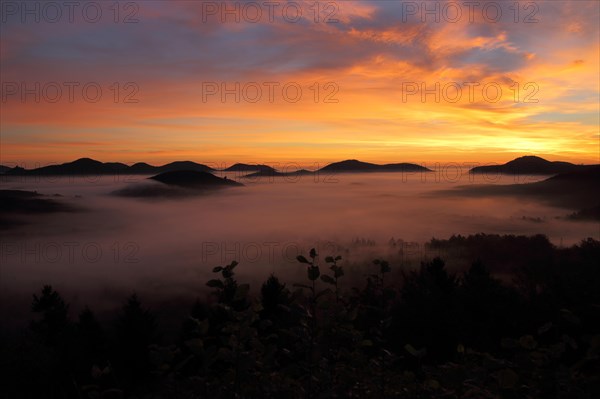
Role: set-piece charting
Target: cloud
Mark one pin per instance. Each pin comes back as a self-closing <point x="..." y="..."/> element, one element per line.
<point x="373" y="50"/>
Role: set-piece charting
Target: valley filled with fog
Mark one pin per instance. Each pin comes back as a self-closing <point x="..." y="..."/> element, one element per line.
<point x="111" y="246"/>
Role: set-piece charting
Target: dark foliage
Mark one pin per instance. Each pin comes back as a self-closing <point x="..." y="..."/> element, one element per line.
<point x="533" y="333"/>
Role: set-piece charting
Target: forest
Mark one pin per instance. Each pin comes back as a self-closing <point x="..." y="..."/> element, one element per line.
<point x="424" y="332"/>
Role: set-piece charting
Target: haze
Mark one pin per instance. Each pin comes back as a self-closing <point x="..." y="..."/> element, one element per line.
<point x="167" y="247"/>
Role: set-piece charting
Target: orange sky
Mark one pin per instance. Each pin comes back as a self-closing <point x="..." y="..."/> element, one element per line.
<point x="374" y="62"/>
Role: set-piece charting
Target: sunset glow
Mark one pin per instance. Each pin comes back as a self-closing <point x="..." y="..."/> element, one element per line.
<point x="375" y="71"/>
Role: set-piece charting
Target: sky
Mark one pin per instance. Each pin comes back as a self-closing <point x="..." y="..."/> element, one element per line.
<point x="302" y="82"/>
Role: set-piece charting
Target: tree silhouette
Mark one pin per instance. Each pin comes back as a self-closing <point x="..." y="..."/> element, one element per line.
<point x="54" y="313"/>
<point x="135" y="331"/>
<point x="428" y="310"/>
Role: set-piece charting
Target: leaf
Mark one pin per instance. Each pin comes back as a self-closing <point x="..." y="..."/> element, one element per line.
<point x="411" y="349"/>
<point x="568" y="340"/>
<point x="284" y="308"/>
<point x="528" y="342"/>
<point x="416" y="353"/>
<point x="91" y="390"/>
<point x="385" y="267"/>
<point x="313" y="253"/>
<point x="225" y="355"/>
<point x="328" y="279"/>
<point x="301" y="259"/>
<point x="538" y="358"/>
<point x="338" y="258"/>
<point x="257" y="307"/>
<point x="233" y="264"/>
<point x="96" y="372"/>
<point x="508" y="343"/>
<point x="183" y="363"/>
<point x="351" y="316"/>
<point x="301" y="286"/>
<point x="313" y="273"/>
<point x="201" y="325"/>
<point x="196" y="345"/>
<point x="323" y="292"/>
<point x="337" y="271"/>
<point x="507" y="378"/>
<point x="569" y="316"/>
<point x="217" y="269"/>
<point x="329" y="259"/>
<point x="545" y="328"/>
<point x="241" y="292"/>
<point x="227" y="273"/>
<point x="112" y="392"/>
<point x="215" y="284"/>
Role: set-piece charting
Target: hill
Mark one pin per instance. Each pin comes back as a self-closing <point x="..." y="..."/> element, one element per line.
<point x="243" y="167"/>
<point x="577" y="190"/>
<point x="16" y="205"/>
<point x="274" y="173"/>
<point x="529" y="165"/>
<point x="176" y="184"/>
<point x="355" y="166"/>
<point x="90" y="167"/>
<point x="193" y="179"/>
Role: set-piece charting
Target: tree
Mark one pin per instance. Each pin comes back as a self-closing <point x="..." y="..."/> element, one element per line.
<point x="54" y="312"/>
<point x="136" y="328"/>
<point x="426" y="316"/>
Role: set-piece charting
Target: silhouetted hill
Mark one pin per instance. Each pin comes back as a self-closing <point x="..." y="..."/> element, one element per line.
<point x="184" y="166"/>
<point x="274" y="173"/>
<point x="4" y="169"/>
<point x="82" y="166"/>
<point x="176" y="184"/>
<point x="17" y="170"/>
<point x="193" y="179"/>
<point x="21" y="201"/>
<point x="87" y="166"/>
<point x="572" y="190"/>
<point x="348" y="166"/>
<point x="243" y="167"/>
<point x="529" y="165"/>
<point x="355" y="166"/>
<point x="587" y="174"/>
<point x="592" y="213"/>
<point x="143" y="168"/>
<point x="14" y="204"/>
<point x="579" y="188"/>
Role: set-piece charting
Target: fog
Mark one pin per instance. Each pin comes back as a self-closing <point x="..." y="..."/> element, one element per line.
<point x="166" y="248"/>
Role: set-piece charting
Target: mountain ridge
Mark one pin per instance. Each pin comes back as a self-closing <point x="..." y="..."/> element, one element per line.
<point x="529" y="165"/>
<point x="88" y="166"/>
<point x="193" y="179"/>
<point x="577" y="190"/>
<point x="354" y="166"/>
